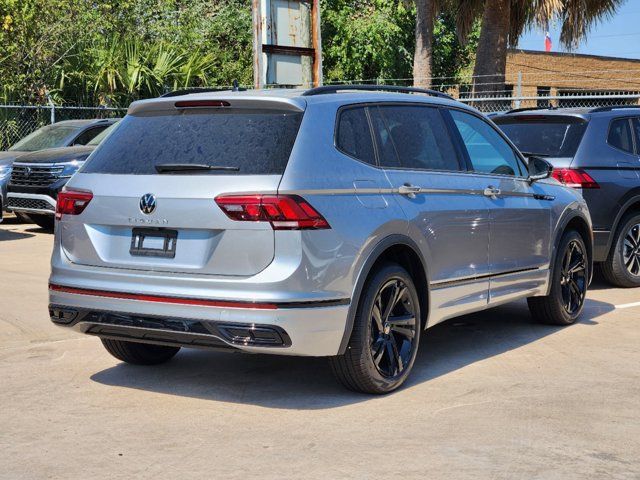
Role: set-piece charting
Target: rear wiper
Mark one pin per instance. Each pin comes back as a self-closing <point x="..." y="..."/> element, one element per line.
<point x="529" y="154"/>
<point x="191" y="167"/>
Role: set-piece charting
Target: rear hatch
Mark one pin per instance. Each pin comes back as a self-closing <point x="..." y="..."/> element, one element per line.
<point x="155" y="177"/>
<point x="553" y="137"/>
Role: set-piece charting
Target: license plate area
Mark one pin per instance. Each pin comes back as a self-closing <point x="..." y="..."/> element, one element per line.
<point x="153" y="242"/>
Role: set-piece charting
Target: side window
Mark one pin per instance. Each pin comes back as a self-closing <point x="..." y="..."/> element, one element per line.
<point x="86" y="136"/>
<point x="620" y="135"/>
<point x="354" y="136"/>
<point x="417" y="135"/>
<point x="488" y="151"/>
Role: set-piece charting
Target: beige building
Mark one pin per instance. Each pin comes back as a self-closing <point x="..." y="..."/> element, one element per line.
<point x="533" y="74"/>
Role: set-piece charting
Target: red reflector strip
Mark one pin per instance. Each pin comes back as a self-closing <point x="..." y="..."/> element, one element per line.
<point x="201" y="103"/>
<point x="163" y="299"/>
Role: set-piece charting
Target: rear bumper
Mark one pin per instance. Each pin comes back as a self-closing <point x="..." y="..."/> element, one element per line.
<point x="312" y="329"/>
<point x="600" y="245"/>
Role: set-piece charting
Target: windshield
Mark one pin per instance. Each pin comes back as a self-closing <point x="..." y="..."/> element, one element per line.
<point x="247" y="142"/>
<point x="546" y="137"/>
<point x="98" y="138"/>
<point x="51" y="136"/>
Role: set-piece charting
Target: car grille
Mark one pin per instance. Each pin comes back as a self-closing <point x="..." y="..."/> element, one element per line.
<point x="35" y="175"/>
<point x="29" y="203"/>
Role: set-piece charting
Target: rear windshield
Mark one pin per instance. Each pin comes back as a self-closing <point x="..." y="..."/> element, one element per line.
<point x="255" y="142"/>
<point x="545" y="137"/>
<point x="51" y="136"/>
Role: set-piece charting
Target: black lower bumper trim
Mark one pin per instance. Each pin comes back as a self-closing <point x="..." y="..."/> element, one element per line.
<point x="169" y="331"/>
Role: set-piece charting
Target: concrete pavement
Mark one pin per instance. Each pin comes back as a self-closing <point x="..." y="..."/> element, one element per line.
<point x="492" y="395"/>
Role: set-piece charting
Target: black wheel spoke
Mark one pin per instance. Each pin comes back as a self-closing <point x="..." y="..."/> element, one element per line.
<point x="377" y="317"/>
<point x="401" y="320"/>
<point x="378" y="350"/>
<point x="405" y="332"/>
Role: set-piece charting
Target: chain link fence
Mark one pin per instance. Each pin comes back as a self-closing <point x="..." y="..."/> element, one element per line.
<point x="18" y="121"/>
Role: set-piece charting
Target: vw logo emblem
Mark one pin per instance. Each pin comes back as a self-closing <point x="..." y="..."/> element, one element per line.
<point x="27" y="171"/>
<point x="148" y="203"/>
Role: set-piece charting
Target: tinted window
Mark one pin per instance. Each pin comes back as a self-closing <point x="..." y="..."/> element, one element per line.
<point x="101" y="136"/>
<point x="620" y="135"/>
<point x="354" y="135"/>
<point x="418" y="136"/>
<point x="86" y="136"/>
<point x="488" y="151"/>
<point x="539" y="136"/>
<point x="256" y="142"/>
<point x="51" y="136"/>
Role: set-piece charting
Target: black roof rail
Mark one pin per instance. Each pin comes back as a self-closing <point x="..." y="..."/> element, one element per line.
<point x="374" y="88"/>
<point x="526" y="109"/>
<point x="612" y="107"/>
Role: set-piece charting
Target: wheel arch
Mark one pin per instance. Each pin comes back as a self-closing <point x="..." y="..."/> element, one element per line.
<point x="399" y="249"/>
<point x="573" y="220"/>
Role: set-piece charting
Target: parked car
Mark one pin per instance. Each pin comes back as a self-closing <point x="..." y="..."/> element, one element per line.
<point x="37" y="177"/>
<point x="336" y="221"/>
<point x="597" y="152"/>
<point x="60" y="134"/>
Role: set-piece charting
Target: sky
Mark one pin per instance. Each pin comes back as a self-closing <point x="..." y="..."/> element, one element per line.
<point x="618" y="36"/>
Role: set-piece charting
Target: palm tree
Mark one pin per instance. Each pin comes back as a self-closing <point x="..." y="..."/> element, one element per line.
<point x="503" y="22"/>
<point x="422" y="58"/>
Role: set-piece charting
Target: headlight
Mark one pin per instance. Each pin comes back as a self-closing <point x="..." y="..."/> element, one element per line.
<point x="71" y="168"/>
<point x="5" y="171"/>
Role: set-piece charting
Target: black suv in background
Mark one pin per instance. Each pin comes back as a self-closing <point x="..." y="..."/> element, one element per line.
<point x="596" y="150"/>
<point x="37" y="177"/>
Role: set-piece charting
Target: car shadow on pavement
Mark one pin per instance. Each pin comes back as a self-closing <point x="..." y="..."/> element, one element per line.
<point x="7" y="234"/>
<point x="307" y="383"/>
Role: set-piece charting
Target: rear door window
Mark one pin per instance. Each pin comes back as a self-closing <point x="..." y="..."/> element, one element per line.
<point x="414" y="137"/>
<point x="256" y="142"/>
<point x="354" y="135"/>
<point x="488" y="151"/>
<point x="620" y="135"/>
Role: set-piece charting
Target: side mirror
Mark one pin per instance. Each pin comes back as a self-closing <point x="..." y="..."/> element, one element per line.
<point x="539" y="168"/>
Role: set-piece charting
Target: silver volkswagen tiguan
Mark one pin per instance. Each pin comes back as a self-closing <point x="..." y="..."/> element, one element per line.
<point x="337" y="221"/>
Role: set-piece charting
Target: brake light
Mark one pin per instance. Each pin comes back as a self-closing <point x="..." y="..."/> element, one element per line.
<point x="284" y="212"/>
<point x="72" y="202"/>
<point x="201" y="103"/>
<point x="574" y="178"/>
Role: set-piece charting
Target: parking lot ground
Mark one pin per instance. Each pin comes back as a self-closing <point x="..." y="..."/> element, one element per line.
<point x="492" y="395"/>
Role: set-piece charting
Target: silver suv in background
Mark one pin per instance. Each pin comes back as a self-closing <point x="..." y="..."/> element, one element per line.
<point x="597" y="152"/>
<point x="337" y="221"/>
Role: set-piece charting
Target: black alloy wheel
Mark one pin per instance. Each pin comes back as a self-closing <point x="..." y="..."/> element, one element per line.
<point x="573" y="277"/>
<point x="393" y="328"/>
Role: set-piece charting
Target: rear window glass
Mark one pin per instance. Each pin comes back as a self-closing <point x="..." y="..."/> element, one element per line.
<point x="551" y="138"/>
<point x="255" y="142"/>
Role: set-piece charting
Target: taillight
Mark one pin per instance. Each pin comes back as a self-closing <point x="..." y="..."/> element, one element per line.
<point x="574" y="178"/>
<point x="72" y="202"/>
<point x="284" y="212"/>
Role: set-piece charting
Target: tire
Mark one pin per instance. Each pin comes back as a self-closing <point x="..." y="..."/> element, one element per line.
<point x="139" y="353"/>
<point x="43" y="221"/>
<point x="394" y="344"/>
<point x="622" y="266"/>
<point x="554" y="309"/>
